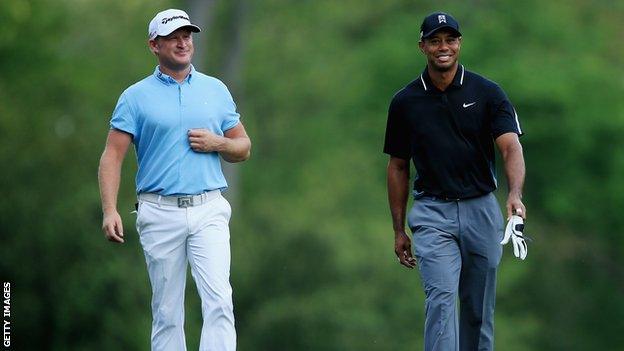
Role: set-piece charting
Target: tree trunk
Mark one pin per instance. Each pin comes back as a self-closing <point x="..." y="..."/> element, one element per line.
<point x="202" y="14"/>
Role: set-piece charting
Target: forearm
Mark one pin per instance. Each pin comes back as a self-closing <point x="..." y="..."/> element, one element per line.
<point x="234" y="149"/>
<point x="109" y="175"/>
<point x="511" y="152"/>
<point x="514" y="169"/>
<point x="398" y="185"/>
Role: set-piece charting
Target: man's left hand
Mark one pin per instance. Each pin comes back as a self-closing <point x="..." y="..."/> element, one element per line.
<point x="515" y="207"/>
<point x="203" y="140"/>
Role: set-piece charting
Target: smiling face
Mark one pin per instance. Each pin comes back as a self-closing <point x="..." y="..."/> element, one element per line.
<point x="175" y="50"/>
<point x="442" y="50"/>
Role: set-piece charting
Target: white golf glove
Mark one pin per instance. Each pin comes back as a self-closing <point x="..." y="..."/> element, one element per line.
<point x="513" y="231"/>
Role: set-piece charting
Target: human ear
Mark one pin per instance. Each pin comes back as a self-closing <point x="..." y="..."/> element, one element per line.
<point x="421" y="46"/>
<point x="153" y="46"/>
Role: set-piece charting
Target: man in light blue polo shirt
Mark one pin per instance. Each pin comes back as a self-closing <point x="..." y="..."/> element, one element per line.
<point x="180" y="122"/>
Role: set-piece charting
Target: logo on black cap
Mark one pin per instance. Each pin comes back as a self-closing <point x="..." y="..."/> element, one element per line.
<point x="441" y="18"/>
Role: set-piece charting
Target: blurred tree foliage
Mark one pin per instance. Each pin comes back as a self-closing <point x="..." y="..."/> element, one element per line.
<point x="313" y="262"/>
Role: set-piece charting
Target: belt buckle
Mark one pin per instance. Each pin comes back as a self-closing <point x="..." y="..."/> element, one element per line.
<point x="185" y="201"/>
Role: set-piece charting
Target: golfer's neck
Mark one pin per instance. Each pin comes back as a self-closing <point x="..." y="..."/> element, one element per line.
<point x="442" y="79"/>
<point x="178" y="75"/>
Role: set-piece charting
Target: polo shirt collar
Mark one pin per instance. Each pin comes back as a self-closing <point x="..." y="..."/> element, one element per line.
<point x="168" y="79"/>
<point x="458" y="80"/>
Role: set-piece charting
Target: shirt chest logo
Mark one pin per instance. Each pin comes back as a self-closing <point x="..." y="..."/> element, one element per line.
<point x="466" y="105"/>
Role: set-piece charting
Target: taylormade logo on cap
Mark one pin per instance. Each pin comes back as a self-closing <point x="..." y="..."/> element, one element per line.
<point x="166" y="22"/>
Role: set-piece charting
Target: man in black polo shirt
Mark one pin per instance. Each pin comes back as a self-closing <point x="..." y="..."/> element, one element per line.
<point x="447" y="121"/>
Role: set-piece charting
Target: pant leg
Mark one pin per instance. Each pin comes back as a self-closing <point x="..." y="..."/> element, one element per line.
<point x="163" y="232"/>
<point x="209" y="257"/>
<point x="439" y="262"/>
<point x="480" y="234"/>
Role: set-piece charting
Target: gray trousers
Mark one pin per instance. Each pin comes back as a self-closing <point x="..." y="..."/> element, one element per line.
<point x="457" y="245"/>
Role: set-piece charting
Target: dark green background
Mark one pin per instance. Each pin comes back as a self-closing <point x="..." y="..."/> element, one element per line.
<point x="312" y="244"/>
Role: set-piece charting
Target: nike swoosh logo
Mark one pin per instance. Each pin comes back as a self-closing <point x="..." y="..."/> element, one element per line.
<point x="468" y="105"/>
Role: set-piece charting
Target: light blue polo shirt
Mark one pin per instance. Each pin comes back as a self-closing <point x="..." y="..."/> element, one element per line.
<point x="158" y="112"/>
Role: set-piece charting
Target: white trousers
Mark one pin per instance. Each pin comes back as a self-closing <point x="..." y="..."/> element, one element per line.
<point x="198" y="235"/>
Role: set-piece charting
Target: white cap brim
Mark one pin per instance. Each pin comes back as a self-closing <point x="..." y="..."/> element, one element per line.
<point x="167" y="31"/>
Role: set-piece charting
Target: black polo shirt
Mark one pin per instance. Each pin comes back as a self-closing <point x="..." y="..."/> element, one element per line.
<point x="450" y="134"/>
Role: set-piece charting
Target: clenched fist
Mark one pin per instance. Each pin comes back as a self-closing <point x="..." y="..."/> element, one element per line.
<point x="203" y="140"/>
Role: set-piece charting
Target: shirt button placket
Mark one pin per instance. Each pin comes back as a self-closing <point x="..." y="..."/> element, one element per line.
<point x="180" y="95"/>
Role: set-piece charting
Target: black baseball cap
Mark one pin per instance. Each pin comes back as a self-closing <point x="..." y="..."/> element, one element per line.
<point x="436" y="21"/>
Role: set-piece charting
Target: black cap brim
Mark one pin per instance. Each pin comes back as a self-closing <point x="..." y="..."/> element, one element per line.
<point x="447" y="27"/>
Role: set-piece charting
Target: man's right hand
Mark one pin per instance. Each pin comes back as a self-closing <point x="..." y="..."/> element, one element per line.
<point x="109" y="175"/>
<point x="403" y="250"/>
<point x="112" y="227"/>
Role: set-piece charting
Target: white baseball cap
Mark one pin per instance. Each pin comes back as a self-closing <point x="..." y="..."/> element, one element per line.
<point x="165" y="22"/>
